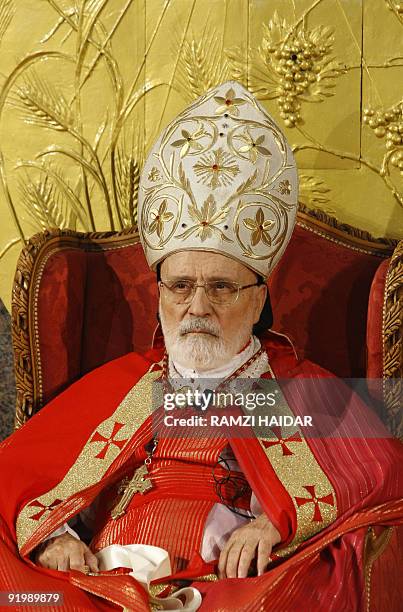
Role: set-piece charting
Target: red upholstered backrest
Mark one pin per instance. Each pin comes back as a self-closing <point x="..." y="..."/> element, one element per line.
<point x="121" y="306"/>
<point x="95" y="303"/>
<point x="58" y="316"/>
<point x="93" y="306"/>
<point x="319" y="296"/>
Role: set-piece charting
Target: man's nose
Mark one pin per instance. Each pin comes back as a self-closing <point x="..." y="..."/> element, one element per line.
<point x="200" y="306"/>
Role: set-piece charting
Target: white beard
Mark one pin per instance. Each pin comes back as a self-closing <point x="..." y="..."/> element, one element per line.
<point x="201" y="351"/>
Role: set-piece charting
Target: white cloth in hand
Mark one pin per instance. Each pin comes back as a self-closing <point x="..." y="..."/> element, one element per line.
<point x="149" y="563"/>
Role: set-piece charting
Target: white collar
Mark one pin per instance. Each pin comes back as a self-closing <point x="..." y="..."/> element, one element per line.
<point x="178" y="371"/>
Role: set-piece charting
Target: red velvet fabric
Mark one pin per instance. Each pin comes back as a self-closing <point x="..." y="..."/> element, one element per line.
<point x="94" y="306"/>
<point x="120" y="306"/>
<point x="60" y="305"/>
<point x="320" y="294"/>
<point x="386" y="571"/>
<point x="375" y="321"/>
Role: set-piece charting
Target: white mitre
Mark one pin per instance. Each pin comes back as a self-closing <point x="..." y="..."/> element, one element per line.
<point x="220" y="178"/>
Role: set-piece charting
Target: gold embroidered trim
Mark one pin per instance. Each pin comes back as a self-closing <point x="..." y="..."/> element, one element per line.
<point x="312" y="493"/>
<point x="101" y="449"/>
<point x="156" y="589"/>
<point x="206" y="578"/>
<point x="112" y="593"/>
<point x="374" y="547"/>
<point x="323" y="234"/>
<point x="351" y="233"/>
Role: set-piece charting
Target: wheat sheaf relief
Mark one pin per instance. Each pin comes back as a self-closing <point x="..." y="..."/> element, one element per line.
<point x="84" y="179"/>
<point x="103" y="169"/>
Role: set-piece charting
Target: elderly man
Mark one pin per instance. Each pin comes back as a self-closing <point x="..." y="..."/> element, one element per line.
<point x="217" y="206"/>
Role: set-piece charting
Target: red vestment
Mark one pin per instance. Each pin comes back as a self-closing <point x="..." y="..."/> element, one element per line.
<point x="334" y="501"/>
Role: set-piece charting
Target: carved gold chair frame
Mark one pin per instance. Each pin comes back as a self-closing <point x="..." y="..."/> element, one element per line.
<point x="39" y="248"/>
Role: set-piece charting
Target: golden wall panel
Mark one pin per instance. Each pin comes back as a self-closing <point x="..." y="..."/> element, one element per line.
<point x="335" y="55"/>
<point x="87" y="85"/>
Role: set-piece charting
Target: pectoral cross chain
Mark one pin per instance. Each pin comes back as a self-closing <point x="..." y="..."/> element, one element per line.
<point x="140" y="483"/>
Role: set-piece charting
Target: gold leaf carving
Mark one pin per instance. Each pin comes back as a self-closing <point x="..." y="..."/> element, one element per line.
<point x="200" y="66"/>
<point x="127" y="170"/>
<point x="42" y="104"/>
<point x="395" y="277"/>
<point x="388" y="124"/>
<point x="275" y="31"/>
<point x="393" y="319"/>
<point x="45" y="204"/>
<point x="292" y="64"/>
<point x="314" y="193"/>
<point x="62" y="192"/>
<point x="393" y="342"/>
<point x="7" y="10"/>
<point x="394" y="359"/>
<point x="396" y="6"/>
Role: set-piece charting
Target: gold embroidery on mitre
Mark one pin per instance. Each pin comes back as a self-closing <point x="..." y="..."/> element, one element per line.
<point x="223" y="163"/>
<point x="188" y="142"/>
<point x="252" y="146"/>
<point x="216" y="169"/>
<point x="296" y="467"/>
<point x="259" y="226"/>
<point x="101" y="449"/>
<point x="158" y="218"/>
<point x="285" y="187"/>
<point x="154" y="175"/>
<point x="207" y="220"/>
<point x="229" y="103"/>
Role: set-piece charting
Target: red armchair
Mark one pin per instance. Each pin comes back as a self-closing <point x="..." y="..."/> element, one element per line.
<point x="80" y="300"/>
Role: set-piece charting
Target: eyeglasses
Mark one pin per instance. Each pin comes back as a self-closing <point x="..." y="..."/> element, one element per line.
<point x="218" y="292"/>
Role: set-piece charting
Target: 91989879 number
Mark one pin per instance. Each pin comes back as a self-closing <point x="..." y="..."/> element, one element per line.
<point x="30" y="598"/>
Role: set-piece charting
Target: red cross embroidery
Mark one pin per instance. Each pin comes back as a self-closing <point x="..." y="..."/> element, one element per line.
<point x="326" y="499"/>
<point x="282" y="441"/>
<point x="97" y="437"/>
<point x="43" y="508"/>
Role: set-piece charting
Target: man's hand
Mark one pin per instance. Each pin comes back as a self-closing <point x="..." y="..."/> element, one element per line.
<point x="65" y="552"/>
<point x="258" y="536"/>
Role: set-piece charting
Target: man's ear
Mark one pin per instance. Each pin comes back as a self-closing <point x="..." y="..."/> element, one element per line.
<point x="260" y="300"/>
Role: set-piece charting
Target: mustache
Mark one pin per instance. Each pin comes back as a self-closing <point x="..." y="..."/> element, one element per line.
<point x="199" y="325"/>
